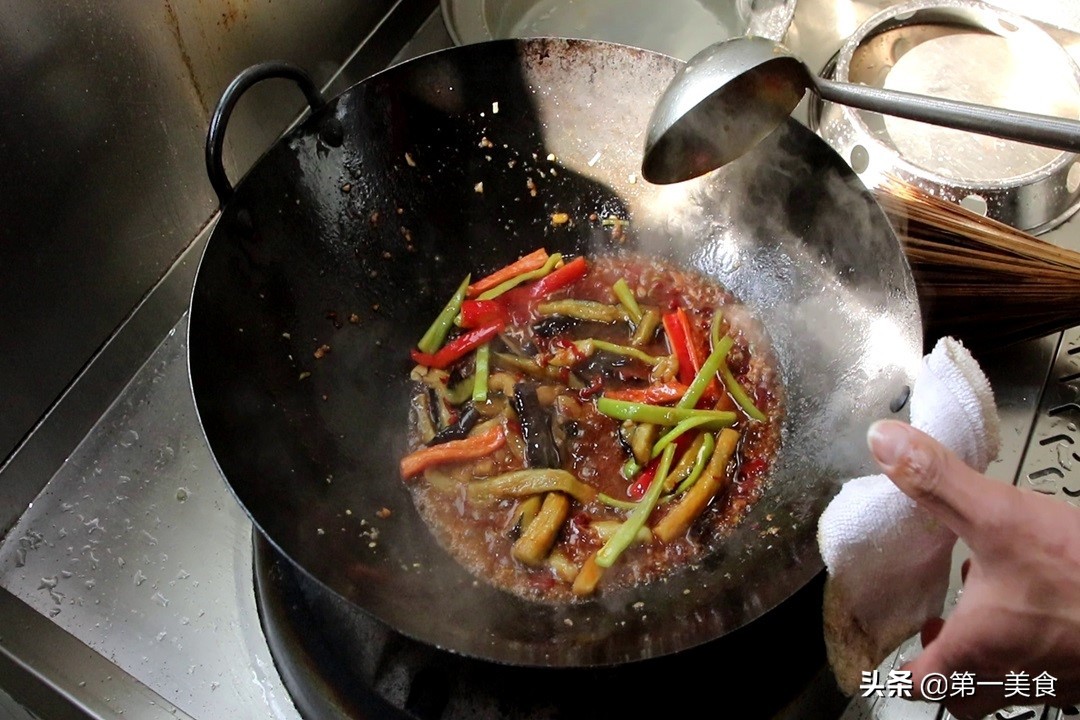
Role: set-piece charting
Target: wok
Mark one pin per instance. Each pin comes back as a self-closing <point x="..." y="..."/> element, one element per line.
<point x="372" y="208"/>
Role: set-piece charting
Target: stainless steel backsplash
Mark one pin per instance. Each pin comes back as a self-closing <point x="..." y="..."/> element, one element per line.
<point x="103" y="113"/>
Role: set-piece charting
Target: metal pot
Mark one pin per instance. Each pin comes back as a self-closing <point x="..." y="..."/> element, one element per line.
<point x="345" y="239"/>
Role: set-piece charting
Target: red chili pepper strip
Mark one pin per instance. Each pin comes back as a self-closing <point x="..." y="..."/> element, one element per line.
<point x="478" y="313"/>
<point x="658" y="394"/>
<point x="567" y="275"/>
<point x="698" y="355"/>
<point x="458" y="347"/>
<point x="471" y="448"/>
<point x="522" y="300"/>
<point x="677" y="344"/>
<point x="695" y="348"/>
<point x="636" y="490"/>
<point x="641" y="483"/>
<point x="533" y="261"/>
<point x="693" y="343"/>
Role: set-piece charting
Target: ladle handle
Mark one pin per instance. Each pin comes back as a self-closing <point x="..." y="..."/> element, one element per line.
<point x="1044" y="130"/>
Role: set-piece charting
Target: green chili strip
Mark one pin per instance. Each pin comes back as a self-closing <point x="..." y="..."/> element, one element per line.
<point x="739" y="394"/>
<point x="460" y="392"/>
<point x="666" y="416"/>
<point x="436" y="334"/>
<point x="704" y="453"/>
<point x="681" y="469"/>
<point x="513" y="282"/>
<point x="708" y="371"/>
<point x="632" y="467"/>
<point x="505" y="361"/>
<point x="714" y="328"/>
<point x="624" y="536"/>
<point x="589" y="345"/>
<point x="589" y="310"/>
<point x="480" y="379"/>
<point x="615" y="502"/>
<point x="672" y="435"/>
<point x="627" y="299"/>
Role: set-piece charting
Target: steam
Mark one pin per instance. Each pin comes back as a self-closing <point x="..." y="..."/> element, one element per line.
<point x="787" y="231"/>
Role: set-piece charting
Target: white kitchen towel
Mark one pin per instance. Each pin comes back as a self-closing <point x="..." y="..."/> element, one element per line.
<point x="888" y="561"/>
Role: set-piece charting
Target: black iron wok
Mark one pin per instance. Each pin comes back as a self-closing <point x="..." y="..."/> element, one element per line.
<point x="373" y="206"/>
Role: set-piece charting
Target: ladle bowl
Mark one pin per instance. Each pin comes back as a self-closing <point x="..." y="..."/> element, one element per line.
<point x="733" y="94"/>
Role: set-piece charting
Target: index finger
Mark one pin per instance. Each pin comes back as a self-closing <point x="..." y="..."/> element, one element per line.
<point x="965" y="501"/>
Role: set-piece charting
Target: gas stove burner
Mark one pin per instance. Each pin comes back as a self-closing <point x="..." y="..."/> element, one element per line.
<point x="961" y="50"/>
<point x="339" y="663"/>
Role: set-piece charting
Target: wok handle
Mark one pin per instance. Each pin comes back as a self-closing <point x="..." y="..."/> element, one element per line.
<point x="215" y="136"/>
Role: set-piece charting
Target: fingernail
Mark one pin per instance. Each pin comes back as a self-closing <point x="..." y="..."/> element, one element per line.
<point x="888" y="441"/>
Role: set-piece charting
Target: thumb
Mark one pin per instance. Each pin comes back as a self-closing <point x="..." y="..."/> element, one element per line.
<point x="941" y="483"/>
<point x="937" y="658"/>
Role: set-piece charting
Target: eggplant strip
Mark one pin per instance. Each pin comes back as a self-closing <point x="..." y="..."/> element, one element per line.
<point x="439" y="381"/>
<point x="505" y="361"/>
<point x="579" y="351"/>
<point x="501" y="382"/>
<point x="604" y="529"/>
<point x="685" y="465"/>
<point x="642" y="440"/>
<point x="440" y="481"/>
<point x="526" y="512"/>
<point x="540" y="448"/>
<point x="646" y="328"/>
<point x="712" y="480"/>
<point x="424" y="424"/>
<point x="566" y="570"/>
<point x="460" y="392"/>
<point x="588" y="346"/>
<point x="459" y="430"/>
<point x="521" y="483"/>
<point x="536" y="542"/>
<point x="588" y="577"/>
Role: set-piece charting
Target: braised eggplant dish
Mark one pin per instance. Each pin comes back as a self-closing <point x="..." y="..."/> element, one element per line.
<point x="589" y="423"/>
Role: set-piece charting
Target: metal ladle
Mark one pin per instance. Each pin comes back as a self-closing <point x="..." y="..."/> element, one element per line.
<point x="733" y="94"/>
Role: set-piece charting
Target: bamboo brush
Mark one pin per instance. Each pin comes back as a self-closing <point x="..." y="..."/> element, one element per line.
<point x="980" y="280"/>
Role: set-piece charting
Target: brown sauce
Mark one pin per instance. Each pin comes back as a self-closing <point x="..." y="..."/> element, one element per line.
<point x="481" y="535"/>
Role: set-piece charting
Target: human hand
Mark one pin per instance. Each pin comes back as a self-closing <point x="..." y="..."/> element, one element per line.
<point x="1019" y="611"/>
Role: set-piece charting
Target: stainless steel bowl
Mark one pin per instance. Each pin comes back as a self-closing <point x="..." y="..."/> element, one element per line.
<point x="963" y="50"/>
<point x="678" y="28"/>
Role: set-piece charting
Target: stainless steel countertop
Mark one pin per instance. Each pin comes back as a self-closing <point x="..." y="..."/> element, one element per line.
<point x="137" y="550"/>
